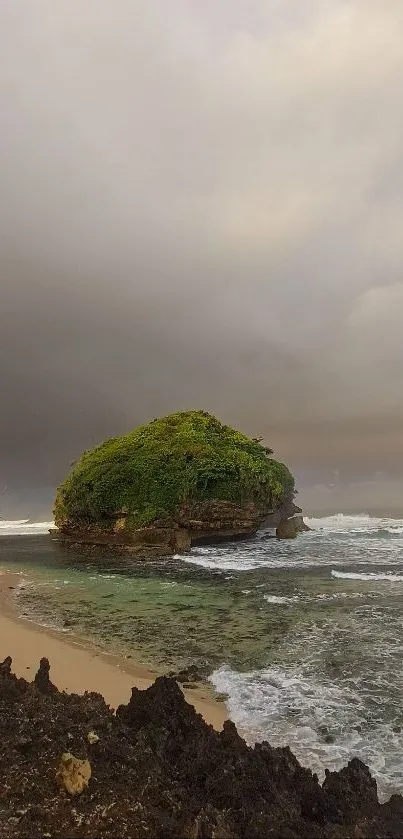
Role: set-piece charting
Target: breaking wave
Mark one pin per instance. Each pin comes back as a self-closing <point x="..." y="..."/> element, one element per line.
<point x="371" y="577"/>
<point x="23" y="527"/>
<point x="324" y="723"/>
<point x="333" y="540"/>
<point x="362" y="525"/>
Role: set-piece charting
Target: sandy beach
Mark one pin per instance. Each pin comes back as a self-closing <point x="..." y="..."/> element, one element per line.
<point x="77" y="667"/>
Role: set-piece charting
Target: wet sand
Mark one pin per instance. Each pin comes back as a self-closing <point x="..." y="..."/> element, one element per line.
<point x="76" y="666"/>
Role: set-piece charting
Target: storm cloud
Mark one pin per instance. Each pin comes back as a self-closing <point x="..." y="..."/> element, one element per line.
<point x="200" y="206"/>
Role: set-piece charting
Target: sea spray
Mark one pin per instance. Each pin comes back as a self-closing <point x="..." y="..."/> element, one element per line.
<point x="24" y="527"/>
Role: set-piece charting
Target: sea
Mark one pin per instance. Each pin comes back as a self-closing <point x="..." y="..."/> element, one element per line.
<point x="303" y="638"/>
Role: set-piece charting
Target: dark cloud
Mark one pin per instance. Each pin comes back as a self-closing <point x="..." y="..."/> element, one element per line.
<point x="200" y="207"/>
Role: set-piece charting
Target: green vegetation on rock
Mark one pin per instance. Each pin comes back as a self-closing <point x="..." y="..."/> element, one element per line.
<point x="185" y="457"/>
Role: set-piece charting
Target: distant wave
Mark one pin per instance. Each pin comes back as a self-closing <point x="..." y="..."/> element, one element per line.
<point x="23" y="527"/>
<point x="370" y="577"/>
<point x="360" y="525"/>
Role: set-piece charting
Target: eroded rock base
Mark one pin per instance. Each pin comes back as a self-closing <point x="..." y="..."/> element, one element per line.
<point x="197" y="523"/>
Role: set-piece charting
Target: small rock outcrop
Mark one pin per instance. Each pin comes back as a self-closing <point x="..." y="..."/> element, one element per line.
<point x="159" y="771"/>
<point x="290" y="528"/>
<point x="179" y="481"/>
<point x="42" y="679"/>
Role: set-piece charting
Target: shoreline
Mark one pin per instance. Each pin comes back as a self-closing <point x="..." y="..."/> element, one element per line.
<point x="77" y="666"/>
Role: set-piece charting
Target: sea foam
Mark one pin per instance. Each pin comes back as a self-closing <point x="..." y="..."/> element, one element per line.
<point x="372" y="577"/>
<point x="23" y="527"/>
<point x="324" y="723"/>
<point x="356" y="524"/>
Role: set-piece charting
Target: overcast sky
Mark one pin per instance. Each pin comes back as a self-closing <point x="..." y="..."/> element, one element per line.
<point x="201" y="205"/>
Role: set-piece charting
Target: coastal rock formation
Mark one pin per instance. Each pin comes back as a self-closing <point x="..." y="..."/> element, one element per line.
<point x="179" y="481"/>
<point x="159" y="770"/>
<point x="290" y="528"/>
<point x="286" y="511"/>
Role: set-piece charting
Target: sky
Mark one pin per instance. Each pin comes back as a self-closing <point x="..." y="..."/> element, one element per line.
<point x="201" y="207"/>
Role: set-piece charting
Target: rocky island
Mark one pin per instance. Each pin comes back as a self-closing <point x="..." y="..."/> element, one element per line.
<point x="181" y="480"/>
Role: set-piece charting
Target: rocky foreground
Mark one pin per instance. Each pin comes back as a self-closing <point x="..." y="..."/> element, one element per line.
<point x="70" y="767"/>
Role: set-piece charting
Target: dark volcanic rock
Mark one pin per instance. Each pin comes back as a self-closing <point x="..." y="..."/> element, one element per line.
<point x="159" y="771"/>
<point x="191" y="674"/>
<point x="42" y="681"/>
<point x="5" y="666"/>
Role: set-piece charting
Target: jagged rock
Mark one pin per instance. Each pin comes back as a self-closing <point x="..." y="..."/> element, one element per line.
<point x="352" y="789"/>
<point x="5" y="666"/>
<point x="160" y="771"/>
<point x="73" y="774"/>
<point x="163" y="704"/>
<point x="42" y="681"/>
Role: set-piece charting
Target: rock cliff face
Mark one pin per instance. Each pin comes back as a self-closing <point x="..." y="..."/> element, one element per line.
<point x="155" y="769"/>
<point x="179" y="481"/>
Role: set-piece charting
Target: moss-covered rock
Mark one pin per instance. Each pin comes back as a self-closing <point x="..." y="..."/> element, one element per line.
<point x="289" y="528"/>
<point x="185" y="472"/>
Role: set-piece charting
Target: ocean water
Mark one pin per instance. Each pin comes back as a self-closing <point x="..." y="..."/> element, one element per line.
<point x="304" y="638"/>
